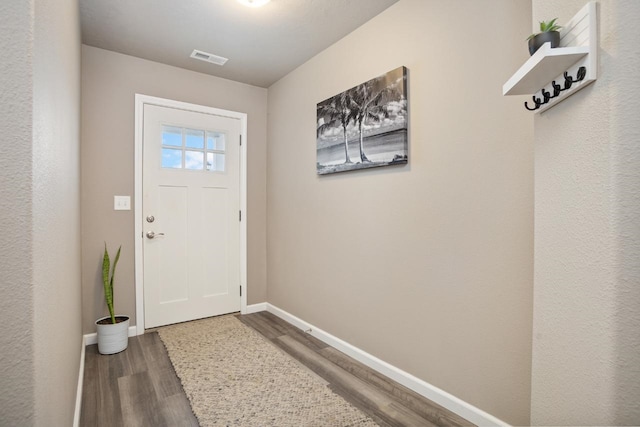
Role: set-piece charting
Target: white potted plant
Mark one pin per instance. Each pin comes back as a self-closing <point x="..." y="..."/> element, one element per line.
<point x="113" y="331"/>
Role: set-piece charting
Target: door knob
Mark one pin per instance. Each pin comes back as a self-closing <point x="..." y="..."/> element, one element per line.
<point x="151" y="234"/>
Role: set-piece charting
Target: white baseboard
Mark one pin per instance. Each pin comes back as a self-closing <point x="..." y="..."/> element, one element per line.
<point x="254" y="308"/>
<point x="90" y="339"/>
<point x="431" y="392"/>
<point x="76" y="413"/>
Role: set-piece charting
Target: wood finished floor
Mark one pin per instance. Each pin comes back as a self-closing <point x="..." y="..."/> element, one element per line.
<point x="139" y="387"/>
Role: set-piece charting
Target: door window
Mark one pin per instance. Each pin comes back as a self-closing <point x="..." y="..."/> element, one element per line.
<point x="193" y="149"/>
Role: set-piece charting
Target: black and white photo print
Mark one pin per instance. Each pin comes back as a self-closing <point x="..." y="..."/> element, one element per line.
<point x="365" y="126"/>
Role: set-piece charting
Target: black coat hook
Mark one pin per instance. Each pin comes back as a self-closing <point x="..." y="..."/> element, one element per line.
<point x="557" y="89"/>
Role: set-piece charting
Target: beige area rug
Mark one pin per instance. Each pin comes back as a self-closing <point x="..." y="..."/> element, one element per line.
<point x="235" y="377"/>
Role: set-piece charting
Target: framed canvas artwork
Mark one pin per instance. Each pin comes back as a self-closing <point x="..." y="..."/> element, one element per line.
<point x="365" y="126"/>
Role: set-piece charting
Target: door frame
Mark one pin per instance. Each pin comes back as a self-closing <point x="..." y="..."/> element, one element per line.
<point x="140" y="102"/>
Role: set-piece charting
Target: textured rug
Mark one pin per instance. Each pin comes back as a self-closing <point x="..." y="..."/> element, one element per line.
<point x="235" y="377"/>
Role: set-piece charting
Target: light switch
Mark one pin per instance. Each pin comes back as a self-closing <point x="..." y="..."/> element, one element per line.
<point x="121" y="203"/>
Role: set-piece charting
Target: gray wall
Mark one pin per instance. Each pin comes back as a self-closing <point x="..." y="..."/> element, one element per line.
<point x="586" y="347"/>
<point x="109" y="84"/>
<point x="56" y="209"/>
<point x="428" y="266"/>
<point x="16" y="253"/>
<point x="40" y="258"/>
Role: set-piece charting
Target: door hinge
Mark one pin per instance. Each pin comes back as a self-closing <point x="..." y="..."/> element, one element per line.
<point x="241" y="140"/>
<point x="240" y="290"/>
<point x="239" y="215"/>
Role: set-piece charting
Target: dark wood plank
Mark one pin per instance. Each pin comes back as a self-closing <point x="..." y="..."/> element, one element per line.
<point x="176" y="411"/>
<point x="154" y="351"/>
<point x="412" y="400"/>
<point x="138" y="400"/>
<point x="285" y="328"/>
<point x="108" y="395"/>
<point x="161" y="372"/>
<point x="90" y="397"/>
<point x="303" y="337"/>
<point x="363" y="395"/>
<point x="264" y="328"/>
<point x="271" y="326"/>
<point x="127" y="362"/>
<point x="165" y="382"/>
<point x="137" y="387"/>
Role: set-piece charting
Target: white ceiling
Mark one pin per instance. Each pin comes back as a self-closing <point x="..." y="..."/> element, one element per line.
<point x="262" y="44"/>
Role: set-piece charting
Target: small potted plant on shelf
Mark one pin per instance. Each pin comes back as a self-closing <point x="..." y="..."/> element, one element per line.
<point x="113" y="331"/>
<point x="548" y="33"/>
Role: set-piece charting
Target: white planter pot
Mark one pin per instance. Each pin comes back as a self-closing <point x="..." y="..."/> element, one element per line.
<point x="113" y="338"/>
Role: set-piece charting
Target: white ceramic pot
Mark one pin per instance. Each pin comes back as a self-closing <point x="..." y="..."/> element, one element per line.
<point x="113" y="338"/>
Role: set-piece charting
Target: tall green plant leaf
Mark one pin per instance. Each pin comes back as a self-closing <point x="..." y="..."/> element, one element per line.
<point x="108" y="281"/>
<point x="113" y="274"/>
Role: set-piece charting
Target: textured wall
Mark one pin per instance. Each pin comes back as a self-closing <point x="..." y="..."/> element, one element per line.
<point x="56" y="209"/>
<point x="109" y="84"/>
<point x="16" y="254"/>
<point x="40" y="250"/>
<point x="427" y="266"/>
<point x="586" y="347"/>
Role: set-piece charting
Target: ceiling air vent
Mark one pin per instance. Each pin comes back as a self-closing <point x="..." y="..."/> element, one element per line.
<point x="209" y="57"/>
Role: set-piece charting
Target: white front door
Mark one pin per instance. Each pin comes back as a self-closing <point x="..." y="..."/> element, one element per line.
<point x="190" y="215"/>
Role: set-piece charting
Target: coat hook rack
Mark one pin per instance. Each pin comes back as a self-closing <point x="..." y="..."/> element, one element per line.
<point x="560" y="71"/>
<point x="557" y="89"/>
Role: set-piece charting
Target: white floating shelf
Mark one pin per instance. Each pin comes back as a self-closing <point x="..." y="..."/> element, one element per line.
<point x="544" y="66"/>
<point x="578" y="49"/>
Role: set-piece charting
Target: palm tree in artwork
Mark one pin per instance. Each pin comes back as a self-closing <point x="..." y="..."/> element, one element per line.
<point x="367" y="105"/>
<point x="336" y="111"/>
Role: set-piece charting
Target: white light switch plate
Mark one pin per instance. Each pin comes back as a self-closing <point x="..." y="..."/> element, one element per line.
<point x="121" y="203"/>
